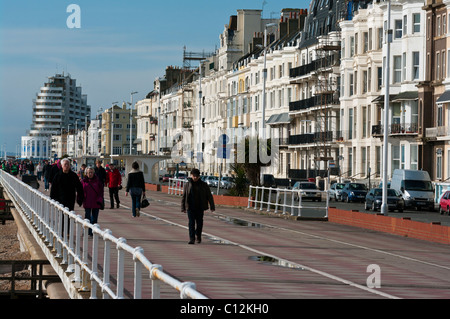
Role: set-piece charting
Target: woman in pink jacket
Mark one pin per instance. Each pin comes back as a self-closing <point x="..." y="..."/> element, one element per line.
<point x="93" y="196"/>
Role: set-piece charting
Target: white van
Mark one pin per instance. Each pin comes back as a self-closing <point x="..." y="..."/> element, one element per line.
<point x="415" y="186"/>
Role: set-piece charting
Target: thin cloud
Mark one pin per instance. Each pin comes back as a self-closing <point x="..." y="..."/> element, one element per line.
<point x="75" y="42"/>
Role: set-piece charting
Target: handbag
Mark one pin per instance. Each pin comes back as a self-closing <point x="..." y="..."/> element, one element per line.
<point x="144" y="202"/>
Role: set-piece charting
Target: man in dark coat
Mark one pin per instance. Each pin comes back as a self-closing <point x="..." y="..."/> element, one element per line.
<point x="195" y="200"/>
<point x="100" y="172"/>
<point x="66" y="187"/>
<point x="54" y="168"/>
<point x="46" y="172"/>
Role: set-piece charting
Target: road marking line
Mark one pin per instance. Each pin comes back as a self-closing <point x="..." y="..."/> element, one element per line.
<point x="330" y="276"/>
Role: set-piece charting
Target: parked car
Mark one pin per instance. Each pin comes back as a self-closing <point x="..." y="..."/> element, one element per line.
<point x="353" y="192"/>
<point x="444" y="203"/>
<point x="212" y="181"/>
<point x="226" y="182"/>
<point x="181" y="176"/>
<point x="335" y="191"/>
<point x="268" y="180"/>
<point x="306" y="190"/>
<point x="374" y="200"/>
<point x="166" y="177"/>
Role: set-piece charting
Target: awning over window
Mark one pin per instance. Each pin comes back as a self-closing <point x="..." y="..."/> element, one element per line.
<point x="444" y="98"/>
<point x="380" y="99"/>
<point x="408" y="95"/>
<point x="278" y="119"/>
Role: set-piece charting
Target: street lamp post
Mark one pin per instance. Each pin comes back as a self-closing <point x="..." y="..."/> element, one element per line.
<point x="131" y="122"/>
<point x="112" y="129"/>
<point x="199" y="145"/>
<point x="158" y="143"/>
<point x="67" y="138"/>
<point x="388" y="40"/>
<point x="75" y="138"/>
<point x="264" y="80"/>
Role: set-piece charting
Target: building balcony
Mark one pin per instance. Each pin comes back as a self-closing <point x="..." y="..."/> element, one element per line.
<point x="438" y="132"/>
<point x="314" y="138"/>
<point x="153" y="120"/>
<point x="396" y="129"/>
<point x="316" y="65"/>
<point x="324" y="99"/>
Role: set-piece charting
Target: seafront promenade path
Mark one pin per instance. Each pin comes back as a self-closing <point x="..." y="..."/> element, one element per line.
<point x="249" y="255"/>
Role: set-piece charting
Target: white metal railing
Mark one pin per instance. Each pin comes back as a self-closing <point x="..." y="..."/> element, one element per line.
<point x="282" y="200"/>
<point x="64" y="235"/>
<point x="176" y="186"/>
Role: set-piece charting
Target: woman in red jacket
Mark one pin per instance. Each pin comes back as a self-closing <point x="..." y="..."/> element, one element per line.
<point x="93" y="196"/>
<point x="113" y="180"/>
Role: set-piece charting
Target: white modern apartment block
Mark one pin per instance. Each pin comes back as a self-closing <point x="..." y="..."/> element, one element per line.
<point x="59" y="104"/>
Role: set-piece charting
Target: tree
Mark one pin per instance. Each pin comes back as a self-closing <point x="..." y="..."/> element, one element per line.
<point x="256" y="155"/>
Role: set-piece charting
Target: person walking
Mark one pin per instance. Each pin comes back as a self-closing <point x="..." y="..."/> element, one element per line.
<point x="82" y="172"/>
<point x="136" y="188"/>
<point x="100" y="171"/>
<point x="54" y="169"/>
<point x="39" y="169"/>
<point x="113" y="181"/>
<point x="15" y="169"/>
<point x="196" y="197"/>
<point x="93" y="196"/>
<point x="46" y="172"/>
<point x="66" y="186"/>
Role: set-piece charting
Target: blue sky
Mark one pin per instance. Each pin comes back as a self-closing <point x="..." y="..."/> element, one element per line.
<point x="121" y="47"/>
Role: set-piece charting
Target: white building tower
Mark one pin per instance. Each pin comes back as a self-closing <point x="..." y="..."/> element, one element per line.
<point x="59" y="106"/>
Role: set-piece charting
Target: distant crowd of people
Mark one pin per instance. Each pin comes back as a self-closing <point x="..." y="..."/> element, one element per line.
<point x="86" y="188"/>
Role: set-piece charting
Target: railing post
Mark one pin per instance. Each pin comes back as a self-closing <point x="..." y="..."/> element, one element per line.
<point x="71" y="267"/>
<point x="64" y="239"/>
<point x="249" y="196"/>
<point x="284" y="202"/>
<point x="59" y="233"/>
<point x="106" y="263"/>
<point x="84" y="261"/>
<point x="184" y="286"/>
<point x="292" y="203"/>
<point x="299" y="205"/>
<point x="120" y="267"/>
<point x="94" y="261"/>
<point x="262" y="198"/>
<point x="276" y="200"/>
<point x="269" y="199"/>
<point x="256" y="197"/>
<point x="156" y="284"/>
<point x="137" y="273"/>
<point x="77" y="277"/>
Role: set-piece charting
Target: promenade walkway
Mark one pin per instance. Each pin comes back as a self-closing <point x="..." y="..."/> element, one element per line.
<point x="249" y="255"/>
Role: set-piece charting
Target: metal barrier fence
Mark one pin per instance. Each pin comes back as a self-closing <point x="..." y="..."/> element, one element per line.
<point x="176" y="186"/>
<point x="63" y="236"/>
<point x="283" y="200"/>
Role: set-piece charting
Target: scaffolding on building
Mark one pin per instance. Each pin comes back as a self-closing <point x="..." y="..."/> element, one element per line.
<point x="327" y="93"/>
<point x="194" y="56"/>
